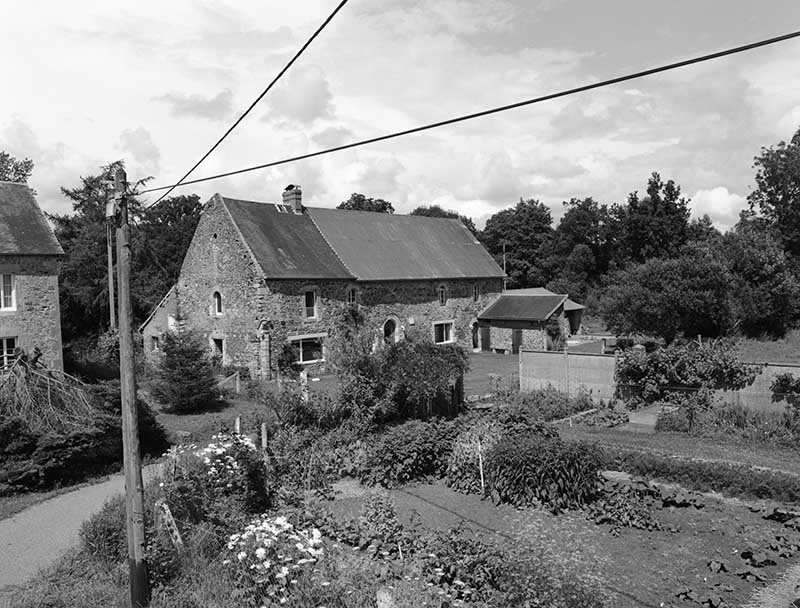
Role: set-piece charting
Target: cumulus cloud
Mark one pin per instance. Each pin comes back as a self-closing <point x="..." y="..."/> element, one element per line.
<point x="719" y="204"/>
<point x="211" y="108"/>
<point x="140" y="145"/>
<point x="303" y="97"/>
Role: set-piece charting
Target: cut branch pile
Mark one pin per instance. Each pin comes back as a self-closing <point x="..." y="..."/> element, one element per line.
<point x="47" y="400"/>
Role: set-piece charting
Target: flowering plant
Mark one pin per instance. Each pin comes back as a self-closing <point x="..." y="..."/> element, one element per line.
<point x="271" y="553"/>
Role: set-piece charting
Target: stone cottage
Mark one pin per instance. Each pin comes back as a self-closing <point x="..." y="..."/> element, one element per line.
<point x="258" y="275"/>
<point x="29" y="257"/>
<point x="529" y="318"/>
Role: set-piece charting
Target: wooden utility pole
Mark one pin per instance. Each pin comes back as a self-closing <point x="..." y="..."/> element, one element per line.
<point x="134" y="487"/>
<point x="505" y="278"/>
<point x="110" y="214"/>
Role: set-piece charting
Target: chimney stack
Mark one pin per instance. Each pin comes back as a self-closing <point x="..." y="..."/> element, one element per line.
<point x="293" y="196"/>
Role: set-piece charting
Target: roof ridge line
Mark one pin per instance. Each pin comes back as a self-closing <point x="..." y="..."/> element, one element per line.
<point x="327" y="242"/>
<point x="241" y="236"/>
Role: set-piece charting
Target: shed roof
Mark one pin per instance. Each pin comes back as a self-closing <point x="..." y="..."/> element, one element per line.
<point x="383" y="246"/>
<point x="23" y="227"/>
<point x="569" y="305"/>
<point x="285" y="244"/>
<point x="522" y="307"/>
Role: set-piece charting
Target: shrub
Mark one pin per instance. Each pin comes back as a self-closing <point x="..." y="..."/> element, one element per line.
<point x="672" y="421"/>
<point x="483" y="433"/>
<point x="378" y="518"/>
<point x="523" y="470"/>
<point x="549" y="403"/>
<point x="186" y="382"/>
<point x="411" y="451"/>
<point x="666" y="372"/>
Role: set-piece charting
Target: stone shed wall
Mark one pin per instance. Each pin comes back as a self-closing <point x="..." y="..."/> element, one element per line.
<point x="36" y="322"/>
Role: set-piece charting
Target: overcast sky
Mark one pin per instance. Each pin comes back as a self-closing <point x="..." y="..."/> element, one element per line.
<point x="156" y="83"/>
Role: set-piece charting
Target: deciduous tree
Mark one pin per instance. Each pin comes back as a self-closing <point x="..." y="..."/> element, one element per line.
<point x="359" y="202"/>
<point x="13" y="170"/>
<point x="437" y="211"/>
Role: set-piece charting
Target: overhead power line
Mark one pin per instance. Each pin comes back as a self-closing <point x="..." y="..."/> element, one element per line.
<point x="257" y="99"/>
<point x="497" y="110"/>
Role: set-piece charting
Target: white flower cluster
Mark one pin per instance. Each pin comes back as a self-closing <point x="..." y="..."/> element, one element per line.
<point x="218" y="458"/>
<point x="272" y="551"/>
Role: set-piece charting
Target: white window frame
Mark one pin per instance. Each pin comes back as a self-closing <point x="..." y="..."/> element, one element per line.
<point x="4" y="295"/>
<point x="155" y="345"/>
<point x="441" y="294"/>
<point x="451" y="334"/>
<point x="315" y="308"/>
<point x="352" y="296"/>
<point x="217" y="304"/>
<point x="297" y="341"/>
<point x="6" y="353"/>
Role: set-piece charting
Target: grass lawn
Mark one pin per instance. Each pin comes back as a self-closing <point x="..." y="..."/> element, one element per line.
<point x="785" y="350"/>
<point x="637" y="568"/>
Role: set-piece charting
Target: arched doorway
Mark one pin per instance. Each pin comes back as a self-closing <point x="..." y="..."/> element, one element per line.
<point x="390" y="331"/>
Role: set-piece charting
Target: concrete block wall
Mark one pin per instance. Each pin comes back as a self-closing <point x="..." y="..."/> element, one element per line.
<point x="569" y="372"/>
<point x="36" y="322"/>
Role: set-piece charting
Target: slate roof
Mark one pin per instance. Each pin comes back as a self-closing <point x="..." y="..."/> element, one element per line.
<point x="23" y="227"/>
<point x="358" y="245"/>
<point x="569" y="305"/>
<point x="522" y="307"/>
<point x="286" y="245"/>
<point x="383" y="246"/>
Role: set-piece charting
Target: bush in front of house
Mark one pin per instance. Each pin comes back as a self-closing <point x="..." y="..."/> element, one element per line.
<point x="523" y="470"/>
<point x="186" y="382"/>
<point x="550" y="404"/>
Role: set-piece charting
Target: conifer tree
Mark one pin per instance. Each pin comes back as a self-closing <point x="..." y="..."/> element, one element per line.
<point x="186" y="382"/>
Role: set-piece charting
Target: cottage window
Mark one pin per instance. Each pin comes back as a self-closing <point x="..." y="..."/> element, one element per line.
<point x="310" y="300"/>
<point x="309" y="349"/>
<point x="217" y="348"/>
<point x="217" y="303"/>
<point x="442" y="292"/>
<point x="352" y="296"/>
<point x="8" y="293"/>
<point x="443" y="332"/>
<point x="7" y="346"/>
<point x="154" y="343"/>
<point x="476" y="292"/>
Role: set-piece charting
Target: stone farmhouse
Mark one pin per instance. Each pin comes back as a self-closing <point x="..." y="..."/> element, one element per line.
<point x="29" y="257"/>
<point x="258" y="275"/>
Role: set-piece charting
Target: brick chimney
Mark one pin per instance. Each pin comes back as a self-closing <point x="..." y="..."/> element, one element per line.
<point x="293" y="196"/>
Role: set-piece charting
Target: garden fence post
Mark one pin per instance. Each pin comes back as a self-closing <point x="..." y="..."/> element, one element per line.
<point x="480" y="466"/>
<point x="237" y="425"/>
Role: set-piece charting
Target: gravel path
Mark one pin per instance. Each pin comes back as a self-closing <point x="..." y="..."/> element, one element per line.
<point x="37" y="536"/>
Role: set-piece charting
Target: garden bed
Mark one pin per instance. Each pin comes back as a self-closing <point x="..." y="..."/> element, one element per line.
<point x="636" y="568"/>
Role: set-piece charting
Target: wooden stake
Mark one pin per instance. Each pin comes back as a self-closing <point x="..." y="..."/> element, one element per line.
<point x="134" y="487"/>
<point x="237" y="425"/>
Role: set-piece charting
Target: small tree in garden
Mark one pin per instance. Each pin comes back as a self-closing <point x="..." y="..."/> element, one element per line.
<point x="186" y="382"/>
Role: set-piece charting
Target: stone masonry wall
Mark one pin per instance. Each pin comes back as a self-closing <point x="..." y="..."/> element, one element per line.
<point x="217" y="261"/>
<point x="37" y="318"/>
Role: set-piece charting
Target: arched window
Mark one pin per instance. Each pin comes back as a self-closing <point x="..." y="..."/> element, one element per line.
<point x="217" y="303"/>
<point x="390" y="331"/>
<point x="442" y="292"/>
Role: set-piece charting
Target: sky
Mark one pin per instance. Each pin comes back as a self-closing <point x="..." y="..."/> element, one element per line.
<point x="157" y="83"/>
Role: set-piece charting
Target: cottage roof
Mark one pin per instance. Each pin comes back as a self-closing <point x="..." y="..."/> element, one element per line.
<point x="511" y="306"/>
<point x="285" y="244"/>
<point x="23" y="227"/>
<point x="358" y="245"/>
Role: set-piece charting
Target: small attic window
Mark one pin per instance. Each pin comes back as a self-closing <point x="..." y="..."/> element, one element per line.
<point x="442" y="293"/>
<point x="217" y="303"/>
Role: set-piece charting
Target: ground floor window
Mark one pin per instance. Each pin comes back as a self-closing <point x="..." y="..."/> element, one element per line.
<point x="7" y="346"/>
<point x="309" y="349"/>
<point x="154" y="345"/>
<point x="443" y="332"/>
<point x="217" y="348"/>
